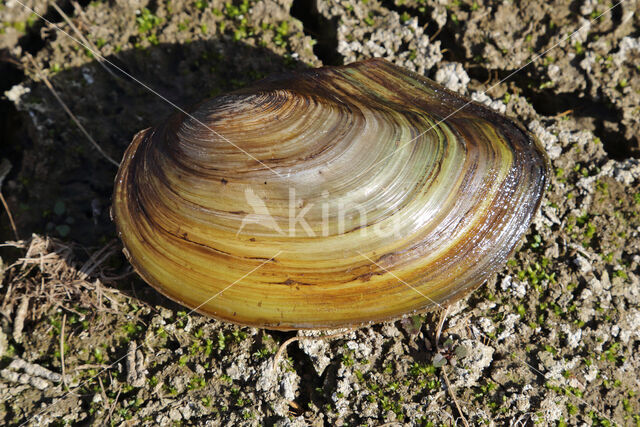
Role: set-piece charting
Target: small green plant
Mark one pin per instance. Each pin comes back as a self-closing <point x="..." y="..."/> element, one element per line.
<point x="419" y="369"/>
<point x="97" y="355"/>
<point x="131" y="329"/>
<point x="201" y="4"/>
<point x="221" y="341"/>
<point x="182" y="26"/>
<point x="161" y="332"/>
<point x="147" y="21"/>
<point x="620" y="273"/>
<point x="611" y="354"/>
<point x="234" y="11"/>
<point x="281" y="33"/>
<point x="347" y="359"/>
<point x="369" y="19"/>
<point x="208" y="347"/>
<point x="196" y="383"/>
<point x="537" y="242"/>
<point x="238" y="335"/>
<point x="262" y="353"/>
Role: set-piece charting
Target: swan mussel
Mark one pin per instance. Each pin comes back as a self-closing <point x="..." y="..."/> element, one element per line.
<point x="328" y="197"/>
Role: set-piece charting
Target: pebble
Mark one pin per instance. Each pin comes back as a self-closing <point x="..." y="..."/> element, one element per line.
<point x="453" y="77"/>
<point x="583" y="264"/>
<point x="485" y="99"/>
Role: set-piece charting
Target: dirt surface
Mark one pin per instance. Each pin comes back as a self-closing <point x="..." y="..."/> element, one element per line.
<point x="553" y="339"/>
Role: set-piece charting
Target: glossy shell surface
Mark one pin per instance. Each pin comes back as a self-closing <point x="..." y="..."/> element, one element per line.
<point x="325" y="198"/>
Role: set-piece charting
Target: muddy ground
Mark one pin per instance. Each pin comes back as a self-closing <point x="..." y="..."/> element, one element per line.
<point x="553" y="339"/>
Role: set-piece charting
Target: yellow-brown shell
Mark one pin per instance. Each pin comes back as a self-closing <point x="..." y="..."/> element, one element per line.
<point x="401" y="210"/>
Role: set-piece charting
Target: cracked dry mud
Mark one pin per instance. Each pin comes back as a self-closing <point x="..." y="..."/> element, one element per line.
<point x="554" y="338"/>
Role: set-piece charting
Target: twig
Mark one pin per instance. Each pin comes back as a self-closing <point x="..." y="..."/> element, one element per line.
<point x="281" y="349"/>
<point x="96" y="260"/>
<point x="64" y="376"/>
<point x="453" y="396"/>
<point x="464" y="323"/>
<point x="105" y="399"/>
<point x="81" y="36"/>
<point x="295" y="406"/>
<point x="68" y="111"/>
<point x="486" y="82"/>
<point x="433" y="37"/>
<point x="115" y="402"/>
<point x="90" y="366"/>
<point x="5" y="301"/>
<point x="6" y="208"/>
<point x="5" y="167"/>
<point x="18" y="322"/>
<point x="443" y="316"/>
<point x="6" y="58"/>
<point x="106" y="278"/>
<point x="285" y="344"/>
<point x="564" y="113"/>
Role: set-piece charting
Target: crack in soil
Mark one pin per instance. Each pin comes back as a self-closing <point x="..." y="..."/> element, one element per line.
<point x="323" y="30"/>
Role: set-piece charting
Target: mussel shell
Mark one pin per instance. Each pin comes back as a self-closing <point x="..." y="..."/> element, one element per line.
<point x="325" y="198"/>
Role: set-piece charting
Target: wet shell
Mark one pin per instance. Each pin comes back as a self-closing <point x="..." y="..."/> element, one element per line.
<point x="329" y="197"/>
